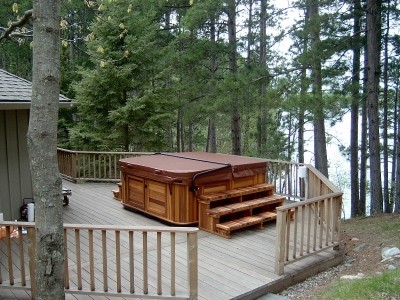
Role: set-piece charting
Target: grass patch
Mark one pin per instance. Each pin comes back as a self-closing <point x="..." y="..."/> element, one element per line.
<point x="382" y="286"/>
<point x="386" y="226"/>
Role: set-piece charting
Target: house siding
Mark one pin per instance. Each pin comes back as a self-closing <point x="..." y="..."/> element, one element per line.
<point x="15" y="177"/>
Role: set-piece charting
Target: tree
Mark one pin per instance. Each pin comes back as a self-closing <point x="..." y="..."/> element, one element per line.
<point x="320" y="154"/>
<point x="373" y="51"/>
<point x="42" y="148"/>
<point x="355" y="88"/>
<point x="236" y="132"/>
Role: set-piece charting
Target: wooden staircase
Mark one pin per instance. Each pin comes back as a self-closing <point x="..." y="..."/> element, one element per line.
<point x="230" y="210"/>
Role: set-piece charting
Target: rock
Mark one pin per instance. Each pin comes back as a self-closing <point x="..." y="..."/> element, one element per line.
<point x="388" y="253"/>
<point x="352" y="277"/>
<point x="391" y="267"/>
<point x="361" y="247"/>
<point x="354" y="239"/>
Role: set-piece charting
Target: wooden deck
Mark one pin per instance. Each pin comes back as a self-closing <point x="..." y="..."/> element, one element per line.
<point x="238" y="268"/>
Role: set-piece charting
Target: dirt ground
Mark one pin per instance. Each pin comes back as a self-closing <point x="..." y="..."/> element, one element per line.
<point x="362" y="241"/>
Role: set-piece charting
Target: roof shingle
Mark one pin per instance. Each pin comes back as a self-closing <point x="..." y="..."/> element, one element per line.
<point x="16" y="92"/>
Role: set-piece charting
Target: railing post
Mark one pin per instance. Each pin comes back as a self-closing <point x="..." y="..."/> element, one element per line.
<point x="192" y="265"/>
<point x="31" y="231"/>
<point x="281" y="220"/>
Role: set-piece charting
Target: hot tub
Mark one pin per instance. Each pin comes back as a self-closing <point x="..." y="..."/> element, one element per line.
<point x="166" y="185"/>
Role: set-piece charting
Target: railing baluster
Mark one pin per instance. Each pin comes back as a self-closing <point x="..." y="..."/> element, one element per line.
<point x="316" y="207"/>
<point x="131" y="263"/>
<point x="296" y="215"/>
<point x="118" y="259"/>
<point x="309" y="216"/>
<point x="66" y="269"/>
<point x="21" y="256"/>
<point x="287" y="250"/>
<point x="303" y="208"/>
<point x="9" y="254"/>
<point x="159" y="262"/>
<point x="321" y="222"/>
<point x="104" y="251"/>
<point x="327" y="220"/>
<point x="173" y="263"/>
<point x="145" y="265"/>
<point x="78" y="258"/>
<point x="91" y="261"/>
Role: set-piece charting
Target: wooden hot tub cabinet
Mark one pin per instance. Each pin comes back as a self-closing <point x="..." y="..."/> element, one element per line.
<point x="168" y="185"/>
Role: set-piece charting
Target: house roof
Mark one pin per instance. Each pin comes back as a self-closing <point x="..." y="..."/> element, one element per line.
<point x="16" y="92"/>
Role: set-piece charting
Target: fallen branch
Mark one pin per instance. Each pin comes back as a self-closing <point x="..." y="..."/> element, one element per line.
<point x="14" y="25"/>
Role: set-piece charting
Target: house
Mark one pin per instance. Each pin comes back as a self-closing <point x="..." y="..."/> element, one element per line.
<point x="15" y="177"/>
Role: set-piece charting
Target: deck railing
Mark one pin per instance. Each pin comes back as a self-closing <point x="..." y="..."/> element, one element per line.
<point x="309" y="226"/>
<point x="317" y="204"/>
<point x="91" y="165"/>
<point x="126" y="261"/>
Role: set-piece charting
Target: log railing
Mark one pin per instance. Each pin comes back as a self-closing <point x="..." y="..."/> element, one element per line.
<point x="309" y="226"/>
<point x="91" y="165"/>
<point x="123" y="261"/>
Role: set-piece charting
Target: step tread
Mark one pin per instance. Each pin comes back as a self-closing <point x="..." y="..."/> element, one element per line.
<point x="236" y="192"/>
<point x="240" y="223"/>
<point x="241" y="206"/>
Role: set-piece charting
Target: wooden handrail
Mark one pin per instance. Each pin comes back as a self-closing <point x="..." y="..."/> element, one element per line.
<point x="91" y="165"/>
<point x="307" y="227"/>
<point x="98" y="257"/>
<point x="314" y="190"/>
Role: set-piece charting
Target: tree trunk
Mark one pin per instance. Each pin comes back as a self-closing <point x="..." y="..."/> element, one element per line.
<point x="373" y="30"/>
<point x="262" y="119"/>
<point x="397" y="137"/>
<point x="387" y="206"/>
<point x="355" y="110"/>
<point x="212" y="139"/>
<point x="362" y="207"/>
<point x="320" y="153"/>
<point x="42" y="147"/>
<point x="303" y="95"/>
<point x="212" y="130"/>
<point x="235" y="125"/>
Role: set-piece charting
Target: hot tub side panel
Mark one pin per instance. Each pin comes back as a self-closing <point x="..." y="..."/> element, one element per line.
<point x="171" y="202"/>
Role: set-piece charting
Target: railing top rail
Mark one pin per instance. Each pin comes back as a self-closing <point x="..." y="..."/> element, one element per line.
<point x="322" y="177"/>
<point x="308" y="201"/>
<point x="133" y="228"/>
<point x="285" y="162"/>
<point x="105" y="152"/>
<point x="111" y="227"/>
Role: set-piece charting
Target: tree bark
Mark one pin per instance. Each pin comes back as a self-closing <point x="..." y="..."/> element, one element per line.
<point x="387" y="206"/>
<point x="320" y="152"/>
<point x="235" y="125"/>
<point x="397" y="137"/>
<point x="373" y="51"/>
<point x="42" y="147"/>
<point x="355" y="109"/>
<point x="363" y="147"/>
<point x="263" y="114"/>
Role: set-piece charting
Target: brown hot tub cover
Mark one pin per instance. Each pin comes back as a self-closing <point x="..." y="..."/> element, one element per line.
<point x="192" y="168"/>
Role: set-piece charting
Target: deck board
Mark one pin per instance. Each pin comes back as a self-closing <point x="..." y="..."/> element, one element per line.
<point x="227" y="268"/>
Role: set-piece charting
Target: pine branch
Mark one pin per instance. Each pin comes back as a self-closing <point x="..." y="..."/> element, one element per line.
<point x="25" y="18"/>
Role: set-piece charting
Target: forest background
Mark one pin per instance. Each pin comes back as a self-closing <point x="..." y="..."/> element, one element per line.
<point x="249" y="77"/>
